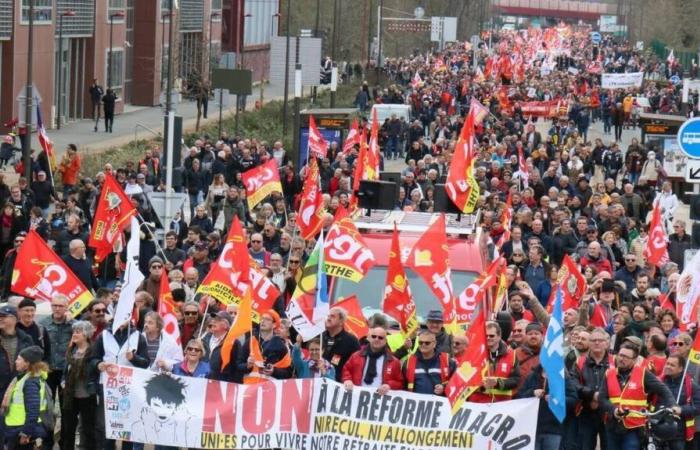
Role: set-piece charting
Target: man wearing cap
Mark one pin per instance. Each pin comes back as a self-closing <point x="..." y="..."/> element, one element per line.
<point x="434" y="322"/>
<point x="199" y="260"/>
<point x="26" y="311"/>
<point x="232" y="372"/>
<point x="337" y="343"/>
<point x="219" y="325"/>
<point x="528" y="354"/>
<point x="503" y="370"/>
<point x="276" y="361"/>
<point x="151" y="284"/>
<point x="427" y="371"/>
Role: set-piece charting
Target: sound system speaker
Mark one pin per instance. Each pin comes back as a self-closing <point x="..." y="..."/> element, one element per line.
<point x="177" y="142"/>
<point x="696" y="235"/>
<point x="441" y="202"/>
<point x="377" y="194"/>
<point x="394" y="177"/>
<point x="695" y="207"/>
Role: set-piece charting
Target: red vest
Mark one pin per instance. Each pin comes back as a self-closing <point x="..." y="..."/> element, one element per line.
<point x="599" y="317"/>
<point x="580" y="362"/>
<point x="632" y="397"/>
<point x="411" y="370"/>
<point x="689" y="422"/>
<point x="501" y="370"/>
<point x="655" y="363"/>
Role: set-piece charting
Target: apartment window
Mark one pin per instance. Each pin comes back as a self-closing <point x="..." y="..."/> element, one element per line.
<point x="117" y="70"/>
<point x="6" y="9"/>
<point x="82" y="23"/>
<point x="43" y="11"/>
<point x="215" y="5"/>
<point x="116" y="6"/>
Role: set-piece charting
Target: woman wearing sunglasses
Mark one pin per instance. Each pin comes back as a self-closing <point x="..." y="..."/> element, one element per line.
<point x="192" y="365"/>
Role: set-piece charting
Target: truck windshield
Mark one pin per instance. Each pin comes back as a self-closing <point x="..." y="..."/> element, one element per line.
<point x="370" y="290"/>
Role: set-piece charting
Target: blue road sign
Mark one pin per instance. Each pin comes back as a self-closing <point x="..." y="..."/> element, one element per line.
<point x="596" y="37"/>
<point x="675" y="79"/>
<point x="689" y="138"/>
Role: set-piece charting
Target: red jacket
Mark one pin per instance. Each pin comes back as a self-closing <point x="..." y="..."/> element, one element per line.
<point x="600" y="265"/>
<point x="354" y="369"/>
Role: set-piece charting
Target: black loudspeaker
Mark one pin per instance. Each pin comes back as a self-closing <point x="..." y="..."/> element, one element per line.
<point x="695" y="207"/>
<point x="696" y="235"/>
<point x="394" y="177"/>
<point x="177" y="142"/>
<point x="377" y="194"/>
<point x="442" y="202"/>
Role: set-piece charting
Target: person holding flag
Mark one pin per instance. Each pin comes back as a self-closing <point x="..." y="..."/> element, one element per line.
<point x="264" y="355"/>
<point x="687" y="392"/>
<point x="502" y="372"/>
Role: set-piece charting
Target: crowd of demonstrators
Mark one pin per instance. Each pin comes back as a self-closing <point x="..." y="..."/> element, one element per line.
<point x="590" y="200"/>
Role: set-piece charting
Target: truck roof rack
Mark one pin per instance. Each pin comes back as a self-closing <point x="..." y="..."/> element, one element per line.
<point x="415" y="221"/>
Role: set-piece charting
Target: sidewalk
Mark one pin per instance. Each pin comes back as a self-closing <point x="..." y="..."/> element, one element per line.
<point x="144" y="122"/>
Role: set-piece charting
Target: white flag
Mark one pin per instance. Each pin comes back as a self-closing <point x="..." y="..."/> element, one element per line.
<point x="132" y="279"/>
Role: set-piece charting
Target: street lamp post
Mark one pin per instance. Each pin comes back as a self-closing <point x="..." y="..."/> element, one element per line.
<point x="286" y="72"/>
<point x="162" y="48"/>
<point x="68" y="13"/>
<point x="239" y="64"/>
<point x="169" y="84"/>
<point x="111" y="41"/>
<point x="211" y="25"/>
<point x="29" y="92"/>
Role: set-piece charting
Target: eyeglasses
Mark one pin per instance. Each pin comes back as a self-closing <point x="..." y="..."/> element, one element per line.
<point x="677" y="344"/>
<point x="256" y="242"/>
<point x="379" y="338"/>
<point x="630" y="259"/>
<point x="193" y="349"/>
<point x="190" y="313"/>
<point x="156" y="266"/>
<point x="491" y="336"/>
<point x="623" y="356"/>
<point x="596" y="341"/>
<point x="292" y="261"/>
<point x="517" y="255"/>
<point x="426" y="343"/>
<point x="455" y="344"/>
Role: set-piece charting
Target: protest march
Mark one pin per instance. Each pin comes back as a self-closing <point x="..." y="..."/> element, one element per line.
<point x="489" y="271"/>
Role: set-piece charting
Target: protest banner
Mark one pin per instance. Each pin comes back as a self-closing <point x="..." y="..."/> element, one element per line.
<point x="548" y="108"/>
<point x="622" y="80"/>
<point x="302" y="414"/>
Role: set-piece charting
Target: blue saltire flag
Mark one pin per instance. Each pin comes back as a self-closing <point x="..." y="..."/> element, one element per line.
<point x="552" y="360"/>
<point x="321" y="305"/>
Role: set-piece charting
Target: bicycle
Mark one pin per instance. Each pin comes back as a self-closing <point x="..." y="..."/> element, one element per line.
<point x="661" y="426"/>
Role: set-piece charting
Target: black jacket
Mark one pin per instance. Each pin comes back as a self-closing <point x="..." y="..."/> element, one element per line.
<point x="273" y="350"/>
<point x="690" y="408"/>
<point x="338" y="349"/>
<point x="546" y="420"/>
<point x="7" y="367"/>
<point x="589" y="380"/>
<point x="140" y="360"/>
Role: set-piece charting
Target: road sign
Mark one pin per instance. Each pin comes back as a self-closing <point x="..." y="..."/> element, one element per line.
<point x="692" y="171"/>
<point x="689" y="138"/>
<point x="596" y="37"/>
<point x="675" y="79"/>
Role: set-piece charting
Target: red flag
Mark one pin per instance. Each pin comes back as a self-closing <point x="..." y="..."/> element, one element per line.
<point x="524" y="173"/>
<point x="488" y="68"/>
<point x="45" y="142"/>
<point x="470" y="374"/>
<point x="356" y="322"/>
<point x="429" y="258"/>
<point x="398" y="301"/>
<point x="506" y="221"/>
<point x="39" y="273"/>
<point x="416" y="81"/>
<point x="656" y="249"/>
<point x="346" y="254"/>
<point x="475" y="294"/>
<point x="353" y="137"/>
<point x="113" y="214"/>
<point x="261" y="181"/>
<point x="166" y="309"/>
<point x="318" y="146"/>
<point x="461" y="186"/>
<point x="373" y="157"/>
<point x="310" y="217"/>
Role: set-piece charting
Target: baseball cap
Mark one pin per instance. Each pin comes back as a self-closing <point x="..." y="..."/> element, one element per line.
<point x="8" y="310"/>
<point x="435" y="316"/>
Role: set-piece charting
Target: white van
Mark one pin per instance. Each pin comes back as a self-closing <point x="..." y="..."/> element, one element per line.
<point x="385" y="111"/>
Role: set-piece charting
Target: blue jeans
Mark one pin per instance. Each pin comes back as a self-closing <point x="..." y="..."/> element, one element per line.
<point x="547" y="441"/>
<point x="392" y="146"/>
<point x="626" y="441"/>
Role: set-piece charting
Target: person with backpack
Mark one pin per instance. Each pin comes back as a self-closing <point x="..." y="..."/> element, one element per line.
<point x="427" y="371"/>
<point x="26" y="404"/>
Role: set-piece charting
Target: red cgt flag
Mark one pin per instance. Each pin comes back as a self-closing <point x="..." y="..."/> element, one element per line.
<point x="166" y="309"/>
<point x="318" y="146"/>
<point x="461" y="187"/>
<point x="113" y="214"/>
<point x="398" y="300"/>
<point x="430" y="259"/>
<point x="261" y="181"/>
<point x="470" y="373"/>
<point x="39" y="273"/>
<point x="346" y="254"/>
<point x="656" y="250"/>
<point x="353" y="137"/>
<point x="310" y="217"/>
<point x="356" y="322"/>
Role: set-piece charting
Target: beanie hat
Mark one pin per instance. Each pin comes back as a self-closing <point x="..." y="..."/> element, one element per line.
<point x="533" y="326"/>
<point x="26" y="302"/>
<point x="32" y="354"/>
<point x="154" y="260"/>
<point x="275" y="317"/>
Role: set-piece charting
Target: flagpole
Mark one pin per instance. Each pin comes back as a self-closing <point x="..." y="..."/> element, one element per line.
<point x="685" y="371"/>
<point x="153" y="234"/>
<point x="204" y="317"/>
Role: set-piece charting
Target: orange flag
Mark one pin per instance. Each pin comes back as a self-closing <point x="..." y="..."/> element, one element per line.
<point x="39" y="273"/>
<point x="166" y="309"/>
<point x="372" y="169"/>
<point x="398" y="301"/>
<point x="113" y="213"/>
<point x="430" y="259"/>
<point x="242" y="325"/>
<point x="261" y="181"/>
<point x="356" y="322"/>
<point x="310" y="217"/>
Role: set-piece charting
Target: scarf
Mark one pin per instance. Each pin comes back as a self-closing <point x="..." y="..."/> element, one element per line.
<point x="372" y="358"/>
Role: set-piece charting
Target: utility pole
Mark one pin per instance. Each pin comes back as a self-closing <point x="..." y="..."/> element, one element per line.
<point x="286" y="70"/>
<point x="29" y="93"/>
<point x="169" y="84"/>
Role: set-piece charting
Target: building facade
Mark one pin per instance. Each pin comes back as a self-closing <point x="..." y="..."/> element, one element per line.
<point x="137" y="32"/>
